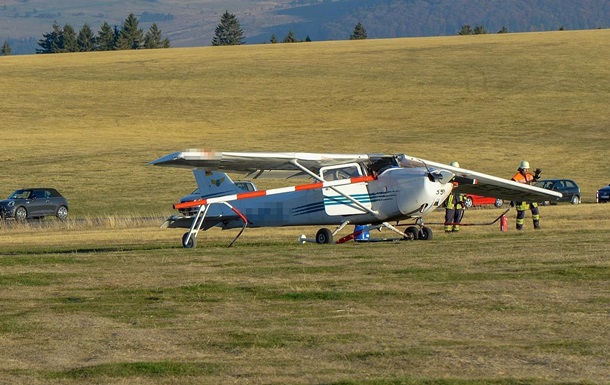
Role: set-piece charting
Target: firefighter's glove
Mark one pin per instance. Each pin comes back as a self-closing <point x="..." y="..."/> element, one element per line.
<point x="512" y="203"/>
<point x="537" y="173"/>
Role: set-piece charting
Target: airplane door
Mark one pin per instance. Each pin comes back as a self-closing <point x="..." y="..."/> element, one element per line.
<point x="335" y="200"/>
<point x="337" y="204"/>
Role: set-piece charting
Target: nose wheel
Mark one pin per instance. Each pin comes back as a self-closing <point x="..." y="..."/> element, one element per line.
<point x="425" y="233"/>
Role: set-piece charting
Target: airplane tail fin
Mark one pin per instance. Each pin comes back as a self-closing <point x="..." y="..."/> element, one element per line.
<point x="213" y="184"/>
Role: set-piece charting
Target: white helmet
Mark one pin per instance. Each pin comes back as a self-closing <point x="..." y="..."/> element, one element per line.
<point x="524" y="164"/>
<point x="454" y="164"/>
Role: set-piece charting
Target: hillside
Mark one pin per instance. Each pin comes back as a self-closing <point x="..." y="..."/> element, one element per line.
<point x="192" y="22"/>
<point x="88" y="123"/>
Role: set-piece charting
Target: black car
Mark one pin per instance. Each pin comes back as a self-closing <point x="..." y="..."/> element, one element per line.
<point x="603" y="194"/>
<point x="34" y="203"/>
<point x="569" y="189"/>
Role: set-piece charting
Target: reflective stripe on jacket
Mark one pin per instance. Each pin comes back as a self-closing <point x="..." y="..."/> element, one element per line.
<point x="455" y="201"/>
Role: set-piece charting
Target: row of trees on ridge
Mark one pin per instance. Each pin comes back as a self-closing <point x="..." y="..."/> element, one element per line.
<point x="129" y="36"/>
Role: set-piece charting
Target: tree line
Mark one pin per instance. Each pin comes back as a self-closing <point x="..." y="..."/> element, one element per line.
<point x="108" y="38"/>
<point x="229" y="32"/>
<point x="130" y="36"/>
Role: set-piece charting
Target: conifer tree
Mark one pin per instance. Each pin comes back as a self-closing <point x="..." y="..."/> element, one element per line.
<point x="6" y="49"/>
<point x="273" y="39"/>
<point x="153" y="38"/>
<point x="479" y="30"/>
<point x="105" y="38"/>
<point x="131" y="36"/>
<point x="86" y="40"/>
<point x="359" y="32"/>
<point x="466" y="30"/>
<point x="69" y="40"/>
<point x="228" y="32"/>
<point x="51" y="42"/>
<point x="290" y="38"/>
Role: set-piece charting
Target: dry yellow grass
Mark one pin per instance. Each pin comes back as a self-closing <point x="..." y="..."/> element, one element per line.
<point x="88" y="123"/>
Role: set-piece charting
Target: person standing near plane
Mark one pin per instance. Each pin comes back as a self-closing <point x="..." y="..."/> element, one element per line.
<point x="454" y="208"/>
<point x="524" y="176"/>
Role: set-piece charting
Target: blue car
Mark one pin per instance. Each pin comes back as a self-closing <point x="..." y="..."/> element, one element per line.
<point x="603" y="194"/>
<point x="34" y="203"/>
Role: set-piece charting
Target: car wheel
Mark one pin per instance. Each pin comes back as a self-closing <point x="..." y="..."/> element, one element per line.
<point x="21" y="214"/>
<point x="324" y="236"/>
<point x="498" y="203"/>
<point x="468" y="202"/>
<point x="62" y="213"/>
<point x="575" y="200"/>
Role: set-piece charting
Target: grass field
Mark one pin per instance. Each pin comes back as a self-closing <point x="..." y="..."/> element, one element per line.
<point x="126" y="304"/>
<point x="122" y="302"/>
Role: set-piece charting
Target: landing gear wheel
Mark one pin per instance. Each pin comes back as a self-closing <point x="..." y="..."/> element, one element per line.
<point x="21" y="214"/>
<point x="498" y="203"/>
<point x="468" y="202"/>
<point x="324" y="236"/>
<point x="192" y="243"/>
<point x="412" y="233"/>
<point x="425" y="234"/>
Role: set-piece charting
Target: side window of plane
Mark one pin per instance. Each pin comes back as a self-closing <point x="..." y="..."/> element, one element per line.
<point x="338" y="173"/>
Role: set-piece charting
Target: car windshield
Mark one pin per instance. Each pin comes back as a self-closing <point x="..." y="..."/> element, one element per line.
<point x="545" y="184"/>
<point x="20" y="194"/>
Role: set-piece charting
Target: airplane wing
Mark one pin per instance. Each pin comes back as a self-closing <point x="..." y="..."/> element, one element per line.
<point x="255" y="164"/>
<point x="283" y="165"/>
<point x="473" y="182"/>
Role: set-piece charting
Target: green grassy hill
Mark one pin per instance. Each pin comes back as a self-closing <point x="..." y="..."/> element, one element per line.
<point x="88" y="123"/>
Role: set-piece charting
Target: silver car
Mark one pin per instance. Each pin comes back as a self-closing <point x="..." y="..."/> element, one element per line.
<point x="34" y="203"/>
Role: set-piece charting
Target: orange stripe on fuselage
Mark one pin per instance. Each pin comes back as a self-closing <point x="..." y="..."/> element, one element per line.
<point x="251" y="194"/>
<point x="309" y="186"/>
<point x="260" y="193"/>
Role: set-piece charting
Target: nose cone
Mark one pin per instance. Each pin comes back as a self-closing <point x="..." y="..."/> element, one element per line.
<point x="425" y="193"/>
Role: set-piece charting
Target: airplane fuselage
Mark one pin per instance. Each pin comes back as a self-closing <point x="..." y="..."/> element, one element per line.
<point x="396" y="194"/>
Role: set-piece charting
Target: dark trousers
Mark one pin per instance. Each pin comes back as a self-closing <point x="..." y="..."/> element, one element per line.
<point x="453" y="218"/>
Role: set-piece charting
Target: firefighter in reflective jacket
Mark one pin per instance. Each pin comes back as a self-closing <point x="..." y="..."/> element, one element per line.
<point x="454" y="208"/>
<point x="524" y="176"/>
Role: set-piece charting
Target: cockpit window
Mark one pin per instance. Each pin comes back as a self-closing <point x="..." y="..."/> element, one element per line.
<point x="340" y="172"/>
<point x="382" y="164"/>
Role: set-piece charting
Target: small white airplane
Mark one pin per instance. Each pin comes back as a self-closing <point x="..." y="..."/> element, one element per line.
<point x="368" y="190"/>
